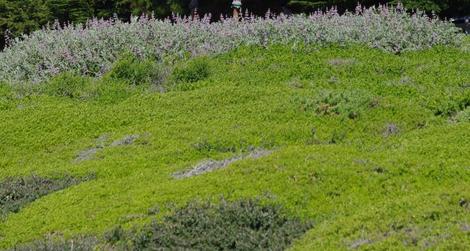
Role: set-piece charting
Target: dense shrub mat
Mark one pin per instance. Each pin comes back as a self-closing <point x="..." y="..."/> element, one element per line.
<point x="393" y="175"/>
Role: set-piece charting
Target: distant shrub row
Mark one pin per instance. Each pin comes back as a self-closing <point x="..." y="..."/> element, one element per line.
<point x="92" y="49"/>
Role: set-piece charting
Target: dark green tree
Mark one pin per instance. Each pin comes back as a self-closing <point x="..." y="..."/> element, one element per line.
<point x="443" y="7"/>
<point x="22" y="16"/>
<point x="71" y="10"/>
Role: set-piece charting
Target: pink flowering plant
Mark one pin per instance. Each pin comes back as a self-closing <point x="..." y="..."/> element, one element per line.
<point x="92" y="48"/>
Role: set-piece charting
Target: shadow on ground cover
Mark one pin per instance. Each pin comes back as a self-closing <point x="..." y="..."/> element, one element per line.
<point x="15" y="193"/>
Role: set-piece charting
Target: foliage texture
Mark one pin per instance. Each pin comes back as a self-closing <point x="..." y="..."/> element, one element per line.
<point x="93" y="48"/>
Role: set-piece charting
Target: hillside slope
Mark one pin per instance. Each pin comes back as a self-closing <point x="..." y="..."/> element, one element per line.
<point x="371" y="147"/>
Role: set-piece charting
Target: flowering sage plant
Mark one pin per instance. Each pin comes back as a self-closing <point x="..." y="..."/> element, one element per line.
<point x="91" y="48"/>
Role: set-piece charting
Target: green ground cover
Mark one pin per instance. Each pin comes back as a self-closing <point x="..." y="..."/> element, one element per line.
<point x="369" y="146"/>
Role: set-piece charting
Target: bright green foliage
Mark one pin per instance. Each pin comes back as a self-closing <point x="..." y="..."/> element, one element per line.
<point x="362" y="184"/>
<point x="192" y="71"/>
<point x="127" y="76"/>
<point x="6" y="96"/>
<point x="449" y="104"/>
<point x="136" y="71"/>
<point x="346" y="103"/>
<point x="69" y="85"/>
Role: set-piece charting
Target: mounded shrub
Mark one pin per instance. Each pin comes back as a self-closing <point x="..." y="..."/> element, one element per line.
<point x="344" y="103"/>
<point x="450" y="106"/>
<point x="192" y="71"/>
<point x="241" y="225"/>
<point x="70" y="85"/>
<point x="135" y="71"/>
<point x="110" y="89"/>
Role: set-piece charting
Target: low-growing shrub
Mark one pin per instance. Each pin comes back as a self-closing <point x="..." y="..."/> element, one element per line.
<point x="337" y="137"/>
<point x="69" y="85"/>
<point x="135" y="71"/>
<point x="17" y="192"/>
<point x="108" y="91"/>
<point x="192" y="71"/>
<point x="206" y="146"/>
<point x="241" y="225"/>
<point x="451" y="105"/>
<point x="345" y="103"/>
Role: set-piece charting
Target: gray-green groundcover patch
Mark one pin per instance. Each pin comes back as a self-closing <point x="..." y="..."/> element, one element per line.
<point x="17" y="192"/>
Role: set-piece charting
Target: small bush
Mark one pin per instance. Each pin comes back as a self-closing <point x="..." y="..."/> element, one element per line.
<point x="192" y="71"/>
<point x="69" y="85"/>
<point x="345" y="103"/>
<point x="206" y="146"/>
<point x="242" y="225"/>
<point x="17" y="192"/>
<point x="451" y="106"/>
<point x="127" y="73"/>
<point x="134" y="71"/>
<point x="110" y="91"/>
<point x="337" y="137"/>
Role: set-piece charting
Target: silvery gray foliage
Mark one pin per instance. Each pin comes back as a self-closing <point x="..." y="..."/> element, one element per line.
<point x="92" y="48"/>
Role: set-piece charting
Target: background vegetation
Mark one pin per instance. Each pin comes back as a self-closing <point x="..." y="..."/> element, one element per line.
<point x="25" y="16"/>
<point x="93" y="49"/>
